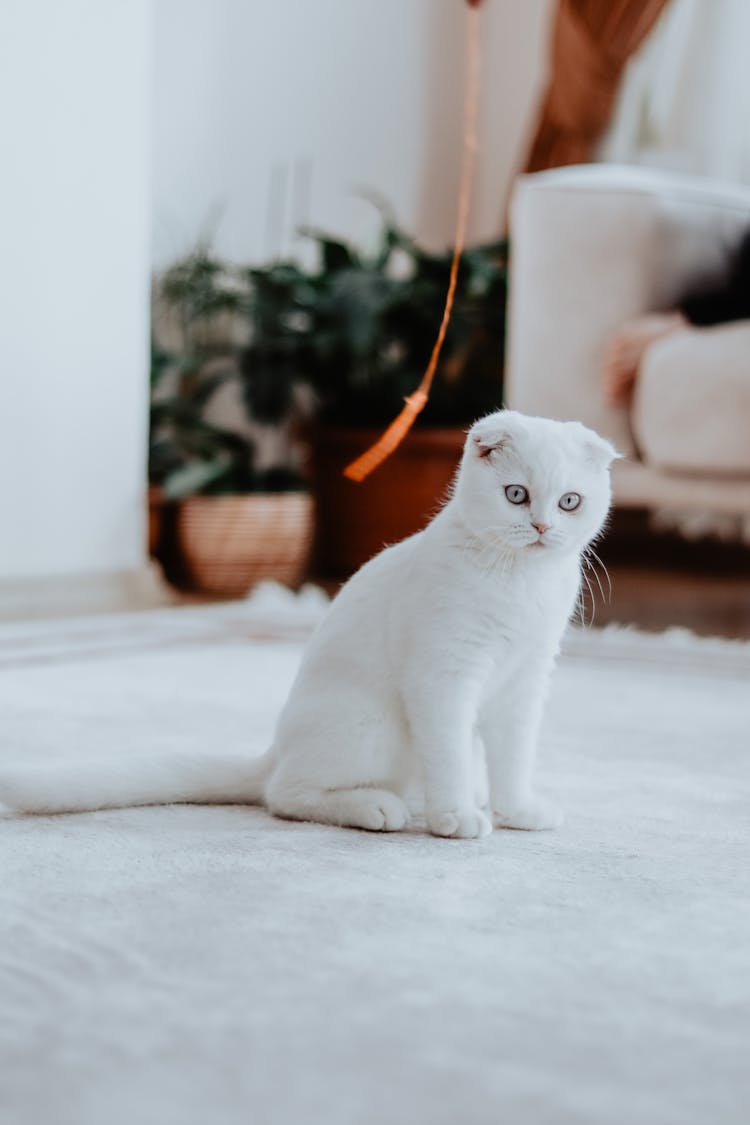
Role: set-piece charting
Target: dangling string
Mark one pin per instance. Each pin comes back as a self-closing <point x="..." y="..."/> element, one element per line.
<point x="415" y="402"/>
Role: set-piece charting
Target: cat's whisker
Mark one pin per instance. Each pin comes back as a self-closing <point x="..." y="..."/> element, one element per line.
<point x="485" y="560"/>
<point x="592" y="552"/>
<point x="494" y="546"/>
<point x="592" y="568"/>
<point x="488" y="545"/>
<point x="501" y="555"/>
<point x="591" y="596"/>
<point x="506" y="558"/>
<point x="481" y="541"/>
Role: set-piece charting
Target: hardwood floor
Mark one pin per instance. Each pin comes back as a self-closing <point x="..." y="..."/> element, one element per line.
<point x="660" y="581"/>
<point x="655" y="598"/>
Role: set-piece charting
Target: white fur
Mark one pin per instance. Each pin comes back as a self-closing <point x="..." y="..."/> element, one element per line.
<point x="431" y="665"/>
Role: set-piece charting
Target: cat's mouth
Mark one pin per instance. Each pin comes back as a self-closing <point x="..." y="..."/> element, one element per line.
<point x="538" y="543"/>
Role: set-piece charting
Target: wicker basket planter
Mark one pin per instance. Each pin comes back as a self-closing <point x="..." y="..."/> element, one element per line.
<point x="228" y="543"/>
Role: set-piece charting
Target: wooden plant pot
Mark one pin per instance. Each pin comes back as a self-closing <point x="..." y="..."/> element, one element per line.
<point x="228" y="543"/>
<point x="355" y="521"/>
<point x="156" y="505"/>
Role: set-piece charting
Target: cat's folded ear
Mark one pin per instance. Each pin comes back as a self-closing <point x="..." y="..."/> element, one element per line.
<point x="600" y="451"/>
<point x="489" y="435"/>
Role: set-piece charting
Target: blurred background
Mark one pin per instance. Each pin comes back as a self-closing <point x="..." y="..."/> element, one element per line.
<point x="226" y="242"/>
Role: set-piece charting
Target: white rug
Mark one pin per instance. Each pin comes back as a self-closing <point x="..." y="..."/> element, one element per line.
<point x="203" y="966"/>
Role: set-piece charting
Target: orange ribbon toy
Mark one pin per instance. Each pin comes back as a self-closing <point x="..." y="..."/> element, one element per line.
<point x="416" y="402"/>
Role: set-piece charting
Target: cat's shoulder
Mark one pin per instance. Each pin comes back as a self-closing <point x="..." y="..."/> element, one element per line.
<point x="389" y="564"/>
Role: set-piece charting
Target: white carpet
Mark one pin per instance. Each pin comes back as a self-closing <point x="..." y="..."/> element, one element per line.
<point x="203" y="966"/>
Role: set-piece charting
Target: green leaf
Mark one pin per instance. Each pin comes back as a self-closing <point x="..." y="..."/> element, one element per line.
<point x="209" y="385"/>
<point x="336" y="254"/>
<point x="194" y="477"/>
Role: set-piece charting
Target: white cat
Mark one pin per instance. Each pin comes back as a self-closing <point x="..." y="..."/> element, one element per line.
<point x="431" y="665"/>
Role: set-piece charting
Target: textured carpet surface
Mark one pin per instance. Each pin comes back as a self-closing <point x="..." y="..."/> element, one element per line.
<point x="203" y="966"/>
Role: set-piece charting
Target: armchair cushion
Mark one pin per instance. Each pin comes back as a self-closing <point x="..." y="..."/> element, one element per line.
<point x="691" y="411"/>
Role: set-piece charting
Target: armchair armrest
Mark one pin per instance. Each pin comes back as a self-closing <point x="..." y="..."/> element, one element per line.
<point x="592" y="246"/>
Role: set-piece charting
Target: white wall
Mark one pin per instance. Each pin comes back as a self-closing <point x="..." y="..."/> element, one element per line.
<point x="353" y="93"/>
<point x="75" y="88"/>
<point x="361" y="93"/>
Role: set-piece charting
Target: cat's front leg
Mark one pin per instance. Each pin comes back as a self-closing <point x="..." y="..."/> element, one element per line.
<point x="509" y="723"/>
<point x="442" y="718"/>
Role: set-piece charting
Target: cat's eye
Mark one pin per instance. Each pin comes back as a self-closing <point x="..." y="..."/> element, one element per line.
<point x="516" y="493"/>
<point x="570" y="501"/>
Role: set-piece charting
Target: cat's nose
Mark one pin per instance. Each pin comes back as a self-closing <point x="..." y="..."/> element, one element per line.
<point x="541" y="527"/>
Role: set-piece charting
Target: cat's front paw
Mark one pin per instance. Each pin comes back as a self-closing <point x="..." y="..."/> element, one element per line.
<point x="464" y="824"/>
<point x="533" y="815"/>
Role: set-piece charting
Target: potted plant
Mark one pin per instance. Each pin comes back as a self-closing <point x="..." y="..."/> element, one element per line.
<point x="364" y="329"/>
<point x="345" y="341"/>
<point x="242" y="511"/>
<point x="156" y="504"/>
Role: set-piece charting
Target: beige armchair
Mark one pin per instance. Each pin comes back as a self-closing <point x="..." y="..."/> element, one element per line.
<point x="593" y="246"/>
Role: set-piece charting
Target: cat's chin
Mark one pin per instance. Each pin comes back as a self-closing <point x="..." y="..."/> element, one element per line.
<point x="541" y="547"/>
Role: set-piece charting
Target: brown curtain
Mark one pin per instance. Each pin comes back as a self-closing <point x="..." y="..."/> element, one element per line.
<point x="592" y="42"/>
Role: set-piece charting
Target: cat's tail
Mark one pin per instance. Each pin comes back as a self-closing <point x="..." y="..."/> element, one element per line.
<point x="136" y="780"/>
